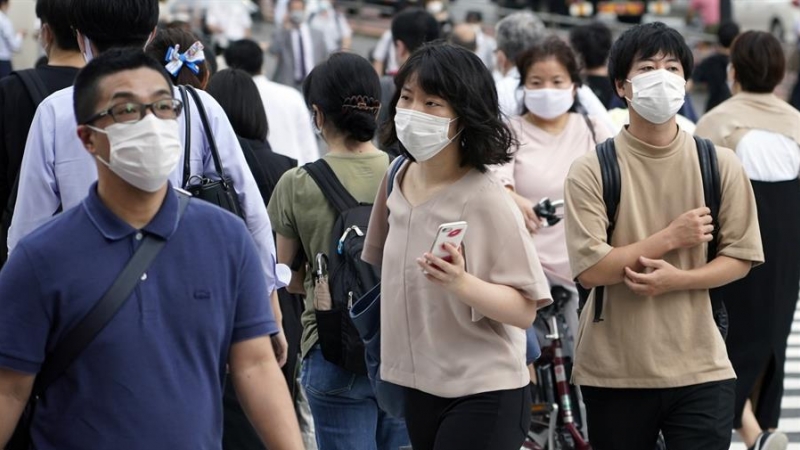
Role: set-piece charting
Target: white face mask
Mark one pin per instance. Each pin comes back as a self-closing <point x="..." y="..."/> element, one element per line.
<point x="88" y="55"/>
<point x="435" y="7"/>
<point x="549" y="103"/>
<point x="657" y="95"/>
<point x="143" y="153"/>
<point x="423" y="135"/>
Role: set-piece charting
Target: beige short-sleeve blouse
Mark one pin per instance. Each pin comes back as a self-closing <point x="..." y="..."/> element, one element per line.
<point x="431" y="340"/>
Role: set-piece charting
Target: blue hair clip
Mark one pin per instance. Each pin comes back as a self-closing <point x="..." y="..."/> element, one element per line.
<point x="190" y="58"/>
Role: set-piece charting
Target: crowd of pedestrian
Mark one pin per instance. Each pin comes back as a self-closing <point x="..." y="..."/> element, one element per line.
<point x="190" y="250"/>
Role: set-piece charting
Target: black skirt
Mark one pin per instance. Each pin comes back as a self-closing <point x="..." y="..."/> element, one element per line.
<point x="761" y="306"/>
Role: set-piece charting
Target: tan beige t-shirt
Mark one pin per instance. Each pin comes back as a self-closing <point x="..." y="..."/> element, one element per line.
<point x="670" y="340"/>
<point x="430" y="339"/>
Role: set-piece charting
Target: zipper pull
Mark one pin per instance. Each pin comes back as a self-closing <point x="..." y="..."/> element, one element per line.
<point x="350" y="300"/>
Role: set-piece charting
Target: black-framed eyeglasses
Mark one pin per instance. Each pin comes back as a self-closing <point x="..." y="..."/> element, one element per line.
<point x="131" y="112"/>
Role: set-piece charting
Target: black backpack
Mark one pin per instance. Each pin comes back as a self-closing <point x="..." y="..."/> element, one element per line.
<point x="709" y="169"/>
<point x="349" y="277"/>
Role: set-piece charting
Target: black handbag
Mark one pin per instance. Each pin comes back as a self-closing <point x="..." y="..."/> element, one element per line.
<point x="218" y="190"/>
<point x="78" y="338"/>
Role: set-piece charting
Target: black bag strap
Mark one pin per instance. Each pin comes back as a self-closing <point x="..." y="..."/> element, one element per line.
<point x="333" y="190"/>
<point x="34" y="85"/>
<point x="187" y="132"/>
<point x="38" y="92"/>
<point x="78" y="338"/>
<point x="709" y="169"/>
<point x="212" y="143"/>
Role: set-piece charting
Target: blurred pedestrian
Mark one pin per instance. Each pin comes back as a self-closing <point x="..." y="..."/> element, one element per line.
<point x="454" y="339"/>
<point x="343" y="94"/>
<point x="10" y="40"/>
<point x="464" y="35"/>
<point x="182" y="55"/>
<point x="291" y="132"/>
<point x="229" y="20"/>
<point x="705" y="13"/>
<point x="18" y="104"/>
<point x="712" y="72"/>
<point x="764" y="131"/>
<point x="333" y="25"/>
<point x="486" y="45"/>
<point x="298" y="47"/>
<point x="410" y="30"/>
<point x="592" y="43"/>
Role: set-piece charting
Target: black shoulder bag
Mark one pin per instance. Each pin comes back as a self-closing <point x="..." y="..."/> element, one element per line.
<point x="219" y="190"/>
<point x="78" y="338"/>
<point x="712" y="193"/>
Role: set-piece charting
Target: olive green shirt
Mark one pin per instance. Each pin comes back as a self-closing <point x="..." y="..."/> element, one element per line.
<point x="299" y="210"/>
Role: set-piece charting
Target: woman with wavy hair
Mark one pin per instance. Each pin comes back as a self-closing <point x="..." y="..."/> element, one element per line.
<point x="453" y="329"/>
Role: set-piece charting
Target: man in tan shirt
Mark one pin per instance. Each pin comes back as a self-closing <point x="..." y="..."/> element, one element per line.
<point x="656" y="362"/>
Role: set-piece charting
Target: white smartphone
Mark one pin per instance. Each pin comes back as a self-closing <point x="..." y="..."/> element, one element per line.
<point x="452" y="233"/>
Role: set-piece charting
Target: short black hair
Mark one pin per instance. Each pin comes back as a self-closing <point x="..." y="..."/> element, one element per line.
<point x="592" y="42"/>
<point x="167" y="38"/>
<point x="759" y="61"/>
<point x="474" y="16"/>
<point x="115" y="23"/>
<point x="348" y="93"/>
<point x="87" y="83"/>
<point x="645" y="41"/>
<point x="727" y="32"/>
<point x="238" y="95"/>
<point x="458" y="76"/>
<point x="414" y="27"/>
<point x="54" y="13"/>
<point x="246" y="55"/>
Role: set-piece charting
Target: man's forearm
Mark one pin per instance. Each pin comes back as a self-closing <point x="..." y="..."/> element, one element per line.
<point x="265" y="399"/>
<point x="15" y="389"/>
<point x="719" y="272"/>
<point x="611" y="269"/>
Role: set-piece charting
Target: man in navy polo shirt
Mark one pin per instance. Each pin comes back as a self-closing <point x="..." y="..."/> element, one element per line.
<point x="153" y="377"/>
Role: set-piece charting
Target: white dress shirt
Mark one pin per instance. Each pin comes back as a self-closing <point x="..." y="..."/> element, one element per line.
<point x="57" y="171"/>
<point x="290" y="132"/>
<point x="10" y="40"/>
<point x="511" y="96"/>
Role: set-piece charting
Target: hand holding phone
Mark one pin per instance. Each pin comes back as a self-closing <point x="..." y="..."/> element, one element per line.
<point x="448" y="233"/>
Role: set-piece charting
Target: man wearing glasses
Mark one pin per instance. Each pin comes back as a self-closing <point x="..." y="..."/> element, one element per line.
<point x="153" y="376"/>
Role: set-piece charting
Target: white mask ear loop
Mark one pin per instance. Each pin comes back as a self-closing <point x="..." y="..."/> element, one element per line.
<point x="88" y="54"/>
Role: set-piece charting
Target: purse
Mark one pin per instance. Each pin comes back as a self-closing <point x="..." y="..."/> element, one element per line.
<point x="78" y="338"/>
<point x="218" y="190"/>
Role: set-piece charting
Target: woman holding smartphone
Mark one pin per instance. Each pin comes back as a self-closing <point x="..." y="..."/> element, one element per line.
<point x="453" y="333"/>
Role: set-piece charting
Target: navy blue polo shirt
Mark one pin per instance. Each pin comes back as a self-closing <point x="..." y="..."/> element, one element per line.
<point x="152" y="379"/>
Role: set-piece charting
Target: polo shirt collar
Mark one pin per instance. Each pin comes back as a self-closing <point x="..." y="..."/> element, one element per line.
<point x="113" y="228"/>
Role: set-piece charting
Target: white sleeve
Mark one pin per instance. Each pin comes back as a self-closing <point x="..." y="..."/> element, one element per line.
<point x="307" y="148"/>
<point x="382" y="47"/>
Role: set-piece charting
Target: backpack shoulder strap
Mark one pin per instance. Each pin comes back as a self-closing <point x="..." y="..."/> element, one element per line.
<point x="609" y="171"/>
<point x="395" y="167"/>
<point x="709" y="169"/>
<point x="333" y="190"/>
<point x="34" y="85"/>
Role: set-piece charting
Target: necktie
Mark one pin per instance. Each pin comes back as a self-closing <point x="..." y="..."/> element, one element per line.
<point x="302" y="62"/>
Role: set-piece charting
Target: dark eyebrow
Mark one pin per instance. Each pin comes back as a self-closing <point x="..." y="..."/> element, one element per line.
<point x="130" y="95"/>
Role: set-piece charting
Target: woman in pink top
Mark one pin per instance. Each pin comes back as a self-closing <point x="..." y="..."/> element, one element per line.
<point x="551" y="134"/>
<point x="453" y="333"/>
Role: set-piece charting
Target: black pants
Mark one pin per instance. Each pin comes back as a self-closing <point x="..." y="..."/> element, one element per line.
<point x="489" y="421"/>
<point x="698" y="417"/>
